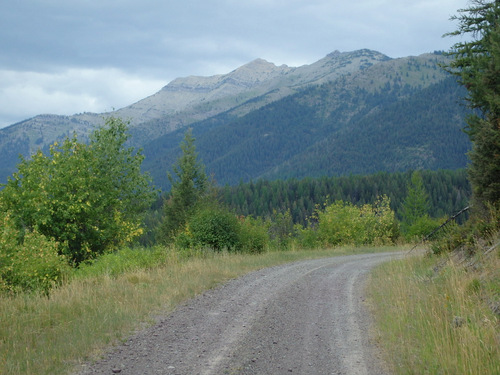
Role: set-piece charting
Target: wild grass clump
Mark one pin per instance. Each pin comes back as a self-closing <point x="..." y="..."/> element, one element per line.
<point x="439" y="319"/>
<point x="124" y="260"/>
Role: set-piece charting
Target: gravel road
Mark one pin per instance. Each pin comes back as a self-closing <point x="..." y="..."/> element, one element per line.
<point x="307" y="317"/>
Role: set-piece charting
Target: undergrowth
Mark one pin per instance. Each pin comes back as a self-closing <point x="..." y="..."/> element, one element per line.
<point x="439" y="312"/>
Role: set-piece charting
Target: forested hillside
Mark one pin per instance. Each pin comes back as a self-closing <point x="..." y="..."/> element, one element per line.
<point x="448" y="191"/>
<point x="329" y="130"/>
<point x="421" y="131"/>
<point x="349" y="113"/>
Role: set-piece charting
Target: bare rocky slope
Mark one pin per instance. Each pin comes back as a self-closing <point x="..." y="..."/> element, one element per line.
<point x="308" y="317"/>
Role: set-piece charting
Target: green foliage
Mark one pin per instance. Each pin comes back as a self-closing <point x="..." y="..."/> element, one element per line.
<point x="253" y="235"/>
<point x="89" y="197"/>
<point x="415" y="208"/>
<point x="477" y="64"/>
<point x="339" y="224"/>
<point x="420" y="227"/>
<point x="30" y="264"/>
<point x="281" y="229"/>
<point x="484" y="171"/>
<point x="189" y="187"/>
<point x="416" y="203"/>
<point x="215" y="228"/>
<point x="342" y="223"/>
<point x="448" y="193"/>
<point x="479" y="230"/>
<point x="121" y="261"/>
<point x="307" y="237"/>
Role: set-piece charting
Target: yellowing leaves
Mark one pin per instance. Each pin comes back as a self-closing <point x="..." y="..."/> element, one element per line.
<point x="342" y="223"/>
<point x="78" y="195"/>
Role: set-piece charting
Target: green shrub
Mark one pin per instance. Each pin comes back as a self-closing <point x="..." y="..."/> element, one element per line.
<point x="482" y="228"/>
<point x="342" y="223"/>
<point x="253" y="235"/>
<point x="184" y="239"/>
<point x="281" y="229"/>
<point x="307" y="238"/>
<point x="30" y="264"/>
<point x="421" y="227"/>
<point x="215" y="228"/>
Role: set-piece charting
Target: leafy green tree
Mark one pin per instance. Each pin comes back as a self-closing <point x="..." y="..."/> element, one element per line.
<point x="89" y="197"/>
<point x="476" y="62"/>
<point x="189" y="186"/>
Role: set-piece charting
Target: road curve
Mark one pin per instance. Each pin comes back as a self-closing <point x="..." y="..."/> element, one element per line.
<point x="307" y="317"/>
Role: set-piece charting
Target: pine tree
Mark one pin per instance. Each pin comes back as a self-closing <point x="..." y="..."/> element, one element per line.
<point x="477" y="65"/>
<point x="189" y="186"/>
<point x="416" y="204"/>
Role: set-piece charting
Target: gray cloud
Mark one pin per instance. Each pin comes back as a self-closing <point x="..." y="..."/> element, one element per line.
<point x="155" y="41"/>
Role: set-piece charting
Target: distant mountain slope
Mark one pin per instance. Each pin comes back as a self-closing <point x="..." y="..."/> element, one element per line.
<point x="246" y="89"/>
<point x="397" y="115"/>
<point x="421" y="131"/>
<point x="185" y="101"/>
<point x="352" y="112"/>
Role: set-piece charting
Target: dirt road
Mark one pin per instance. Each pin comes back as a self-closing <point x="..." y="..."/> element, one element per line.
<point x="307" y="317"/>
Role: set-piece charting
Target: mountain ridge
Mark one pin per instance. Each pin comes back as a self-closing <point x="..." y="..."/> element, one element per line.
<point x="329" y="88"/>
<point x="174" y="109"/>
<point x="404" y="110"/>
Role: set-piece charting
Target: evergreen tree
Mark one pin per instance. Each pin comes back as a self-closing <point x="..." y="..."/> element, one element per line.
<point x="415" y="211"/>
<point x="416" y="203"/>
<point x="477" y="65"/>
<point x="189" y="186"/>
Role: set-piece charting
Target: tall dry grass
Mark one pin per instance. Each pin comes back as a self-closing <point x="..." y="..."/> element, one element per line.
<point x="438" y="320"/>
<point x="54" y="334"/>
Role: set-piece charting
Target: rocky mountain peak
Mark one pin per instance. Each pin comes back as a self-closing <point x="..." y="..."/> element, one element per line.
<point x="246" y="76"/>
<point x="260" y="67"/>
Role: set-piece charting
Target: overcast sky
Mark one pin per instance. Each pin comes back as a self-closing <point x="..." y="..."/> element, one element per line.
<point x="71" y="56"/>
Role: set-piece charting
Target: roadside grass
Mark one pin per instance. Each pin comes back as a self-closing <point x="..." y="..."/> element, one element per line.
<point x="438" y="319"/>
<point x="105" y="302"/>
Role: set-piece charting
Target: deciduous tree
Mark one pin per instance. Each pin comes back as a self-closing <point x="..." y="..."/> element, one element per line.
<point x="89" y="197"/>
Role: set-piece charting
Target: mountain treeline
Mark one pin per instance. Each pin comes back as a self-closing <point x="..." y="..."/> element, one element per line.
<point x="449" y="192"/>
<point x="334" y="129"/>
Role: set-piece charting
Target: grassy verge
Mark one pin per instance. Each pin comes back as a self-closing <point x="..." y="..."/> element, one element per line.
<point x="104" y="303"/>
<point x="439" y="320"/>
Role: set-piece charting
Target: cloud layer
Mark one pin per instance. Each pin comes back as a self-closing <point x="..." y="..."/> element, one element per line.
<point x="65" y="57"/>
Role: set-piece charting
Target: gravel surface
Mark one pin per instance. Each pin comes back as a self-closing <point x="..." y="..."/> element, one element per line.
<point x="307" y="317"/>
